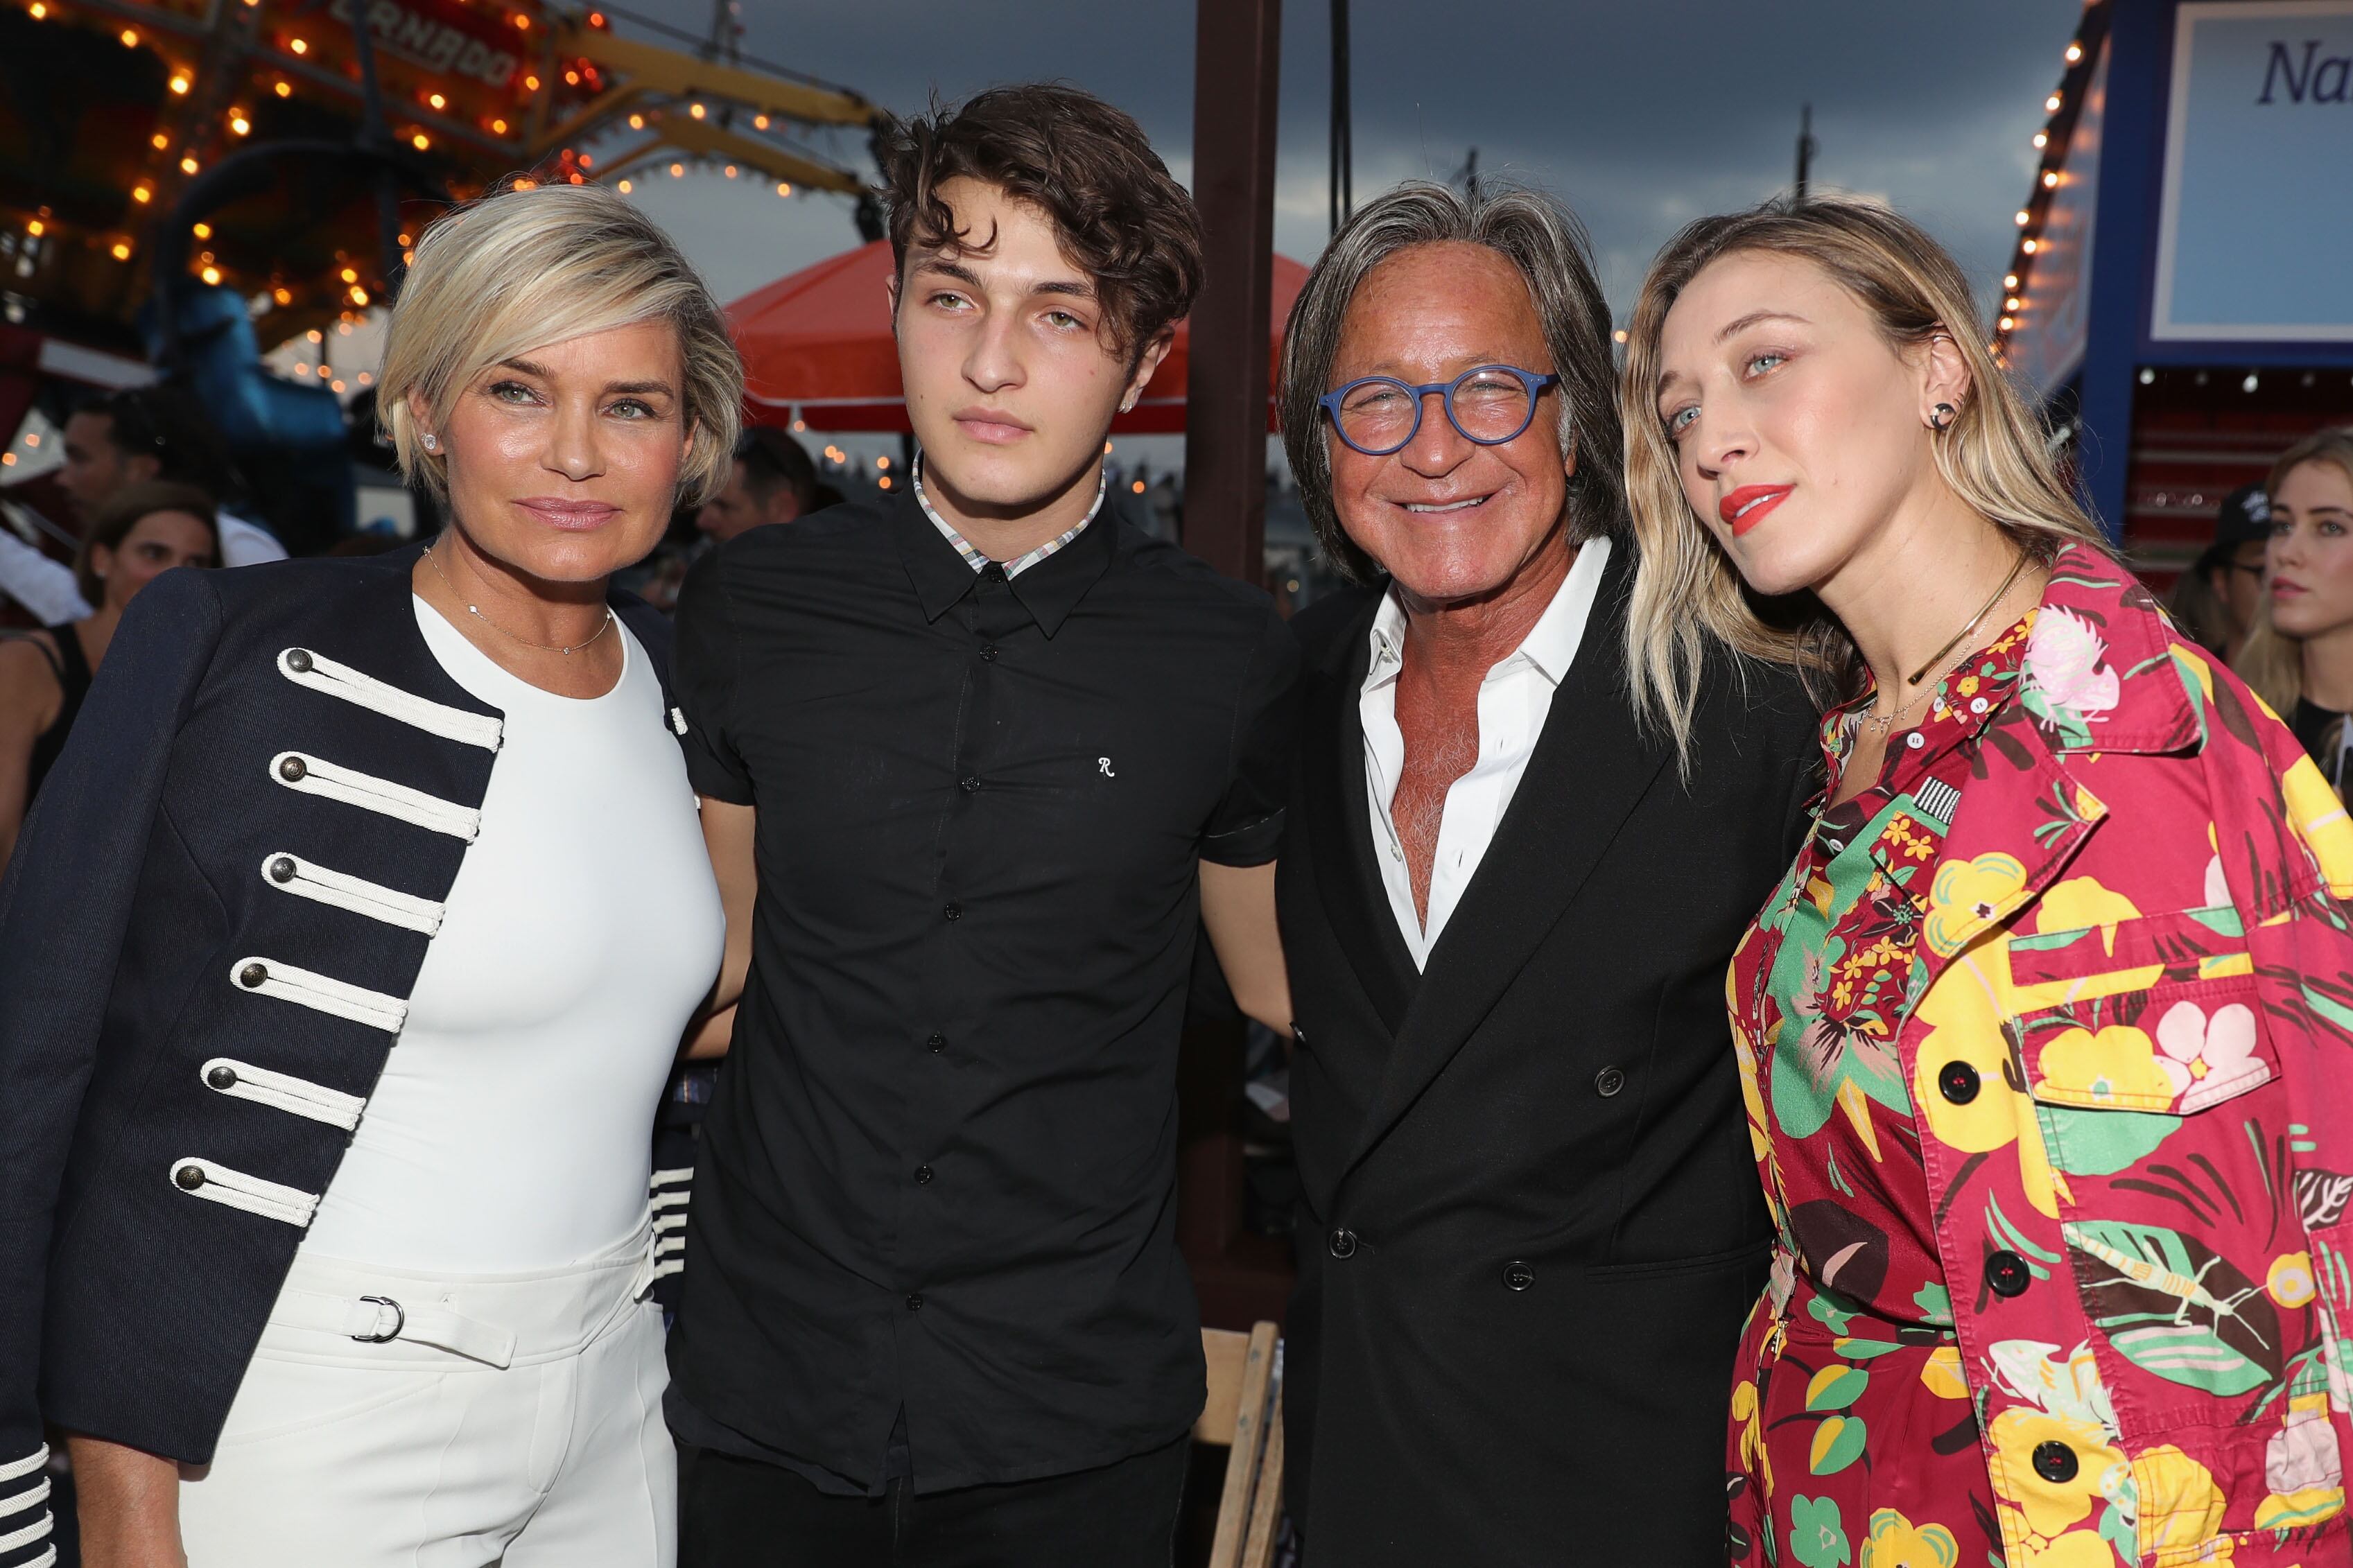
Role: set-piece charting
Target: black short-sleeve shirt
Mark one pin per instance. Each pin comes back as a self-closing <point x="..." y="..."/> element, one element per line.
<point x="938" y="1176"/>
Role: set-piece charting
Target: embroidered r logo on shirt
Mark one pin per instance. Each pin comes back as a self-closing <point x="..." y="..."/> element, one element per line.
<point x="1102" y="766"/>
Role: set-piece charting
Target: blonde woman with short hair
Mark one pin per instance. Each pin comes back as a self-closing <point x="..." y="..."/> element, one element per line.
<point x="2044" y="1036"/>
<point x="342" y="963"/>
<point x="2299" y="653"/>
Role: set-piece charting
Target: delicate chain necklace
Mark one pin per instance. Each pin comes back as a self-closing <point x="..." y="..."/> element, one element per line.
<point x="1936" y="661"/>
<point x="544" y="647"/>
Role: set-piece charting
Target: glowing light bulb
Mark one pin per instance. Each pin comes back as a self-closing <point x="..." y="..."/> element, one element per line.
<point x="159" y="140"/>
<point x="179" y="84"/>
<point x="2042" y="140"/>
<point x="531" y="83"/>
<point x="2009" y="281"/>
<point x="282" y="295"/>
<point x="299" y="46"/>
<point x="142" y="195"/>
<point x="129" y="36"/>
<point x="1137" y="487"/>
<point x="783" y="190"/>
<point x="211" y="275"/>
<point x="359" y="296"/>
<point x="637" y="122"/>
<point x="239" y="124"/>
<point x="677" y="171"/>
<point x="696" y="110"/>
<point x="421" y="141"/>
<point x="2030" y="245"/>
<point x="498" y="127"/>
<point x="37" y="228"/>
<point x="731" y="171"/>
<point x="41" y="9"/>
<point x="759" y="123"/>
<point x="2012" y="303"/>
<point x="284" y="90"/>
<point x="625" y="187"/>
<point x="2024" y="217"/>
<point x="2051" y="104"/>
<point x="334" y="386"/>
<point x="350" y="276"/>
<point x="436" y="100"/>
<point x="202" y="231"/>
<point x="2074" y="53"/>
<point x="2049" y="178"/>
<point x="122" y="251"/>
<point x="2007" y="322"/>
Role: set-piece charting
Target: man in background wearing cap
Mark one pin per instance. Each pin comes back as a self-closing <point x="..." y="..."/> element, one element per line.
<point x="2218" y="599"/>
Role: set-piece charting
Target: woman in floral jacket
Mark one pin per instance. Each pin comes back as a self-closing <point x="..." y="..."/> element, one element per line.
<point x="2047" y="1037"/>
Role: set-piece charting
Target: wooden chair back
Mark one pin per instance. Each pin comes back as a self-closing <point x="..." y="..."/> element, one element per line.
<point x="1244" y="1416"/>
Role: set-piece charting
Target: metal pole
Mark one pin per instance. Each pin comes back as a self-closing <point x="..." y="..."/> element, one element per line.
<point x="1344" y="151"/>
<point x="1236" y="73"/>
<point x="1805" y="147"/>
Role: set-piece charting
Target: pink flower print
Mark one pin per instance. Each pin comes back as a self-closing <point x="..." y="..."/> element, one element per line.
<point x="2062" y="658"/>
<point x="2303" y="1454"/>
<point x="2208" y="1057"/>
<point x="2218" y="884"/>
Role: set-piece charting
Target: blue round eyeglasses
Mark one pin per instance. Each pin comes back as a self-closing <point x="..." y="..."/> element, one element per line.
<point x="1488" y="404"/>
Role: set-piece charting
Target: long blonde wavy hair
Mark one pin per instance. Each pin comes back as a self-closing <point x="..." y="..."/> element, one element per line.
<point x="2270" y="660"/>
<point x="1688" y="596"/>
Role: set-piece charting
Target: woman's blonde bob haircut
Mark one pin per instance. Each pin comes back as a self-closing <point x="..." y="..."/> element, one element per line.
<point x="2271" y="661"/>
<point x="524" y="268"/>
<point x="1687" y="594"/>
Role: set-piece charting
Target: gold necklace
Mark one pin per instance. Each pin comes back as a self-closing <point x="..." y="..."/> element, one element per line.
<point x="476" y="612"/>
<point x="1935" y="661"/>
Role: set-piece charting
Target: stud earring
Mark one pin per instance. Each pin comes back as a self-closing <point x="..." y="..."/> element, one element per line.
<point x="1941" y="418"/>
<point x="432" y="442"/>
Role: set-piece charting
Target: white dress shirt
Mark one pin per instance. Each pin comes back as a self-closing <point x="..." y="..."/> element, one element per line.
<point x="1513" y="700"/>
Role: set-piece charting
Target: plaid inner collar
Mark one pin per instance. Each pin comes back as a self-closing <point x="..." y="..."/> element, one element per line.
<point x="972" y="556"/>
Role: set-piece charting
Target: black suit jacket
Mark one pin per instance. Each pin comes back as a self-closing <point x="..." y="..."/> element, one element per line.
<point x="158" y="956"/>
<point x="1532" y="1221"/>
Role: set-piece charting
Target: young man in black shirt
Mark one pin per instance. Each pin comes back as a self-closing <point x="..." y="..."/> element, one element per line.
<point x="972" y="756"/>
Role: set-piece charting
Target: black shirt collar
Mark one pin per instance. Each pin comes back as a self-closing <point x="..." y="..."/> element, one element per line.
<point x="1049" y="590"/>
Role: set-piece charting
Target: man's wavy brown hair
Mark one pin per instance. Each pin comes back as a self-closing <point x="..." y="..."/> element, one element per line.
<point x="1089" y="167"/>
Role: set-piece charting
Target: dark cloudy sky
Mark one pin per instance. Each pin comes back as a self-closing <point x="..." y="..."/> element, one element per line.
<point x="1642" y="113"/>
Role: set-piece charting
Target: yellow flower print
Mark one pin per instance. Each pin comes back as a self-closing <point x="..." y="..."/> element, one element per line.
<point x="1940" y="1374"/>
<point x="2115" y="1066"/>
<point x="1966" y="686"/>
<point x="2290" y="1281"/>
<point x="2081" y="902"/>
<point x="2052" y="1508"/>
<point x="2180" y="1505"/>
<point x="1896" y="1542"/>
<point x="1967" y="895"/>
<point x="1966" y="1026"/>
<point x="2076" y="1548"/>
<point x="2320" y="821"/>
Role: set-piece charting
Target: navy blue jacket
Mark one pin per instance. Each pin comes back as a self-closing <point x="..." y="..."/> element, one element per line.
<point x="209" y="934"/>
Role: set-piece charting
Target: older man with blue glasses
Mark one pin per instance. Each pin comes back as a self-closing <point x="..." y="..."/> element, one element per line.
<point x="1531" y="1225"/>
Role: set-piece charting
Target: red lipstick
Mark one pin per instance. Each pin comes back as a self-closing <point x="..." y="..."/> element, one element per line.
<point x="1744" y="508"/>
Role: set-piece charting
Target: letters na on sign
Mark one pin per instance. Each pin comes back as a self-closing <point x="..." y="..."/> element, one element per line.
<point x="426" y="34"/>
<point x="2259" y="117"/>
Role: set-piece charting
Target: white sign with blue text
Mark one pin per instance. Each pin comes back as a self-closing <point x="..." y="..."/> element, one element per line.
<point x="2254" y="233"/>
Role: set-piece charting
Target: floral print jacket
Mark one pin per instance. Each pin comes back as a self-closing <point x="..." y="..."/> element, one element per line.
<point x="2130" y="1045"/>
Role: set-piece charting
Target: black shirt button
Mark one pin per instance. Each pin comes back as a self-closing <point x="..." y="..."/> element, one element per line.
<point x="1608" y="1082"/>
<point x="2006" y="1272"/>
<point x="993" y="573"/>
<point x="222" y="1078"/>
<point x="1957" y="1082"/>
<point x="2055" y="1462"/>
<point x="189" y="1177"/>
<point x="252" y="975"/>
<point x="953" y="912"/>
<point x="281" y="869"/>
<point x="989" y="655"/>
<point x="914" y="1303"/>
<point x="291" y="770"/>
<point x="1342" y="1242"/>
<point x="1519" y="1276"/>
<point x="969" y="784"/>
<point x="937" y="1042"/>
<point x="923" y="1175"/>
<point x="298" y="659"/>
